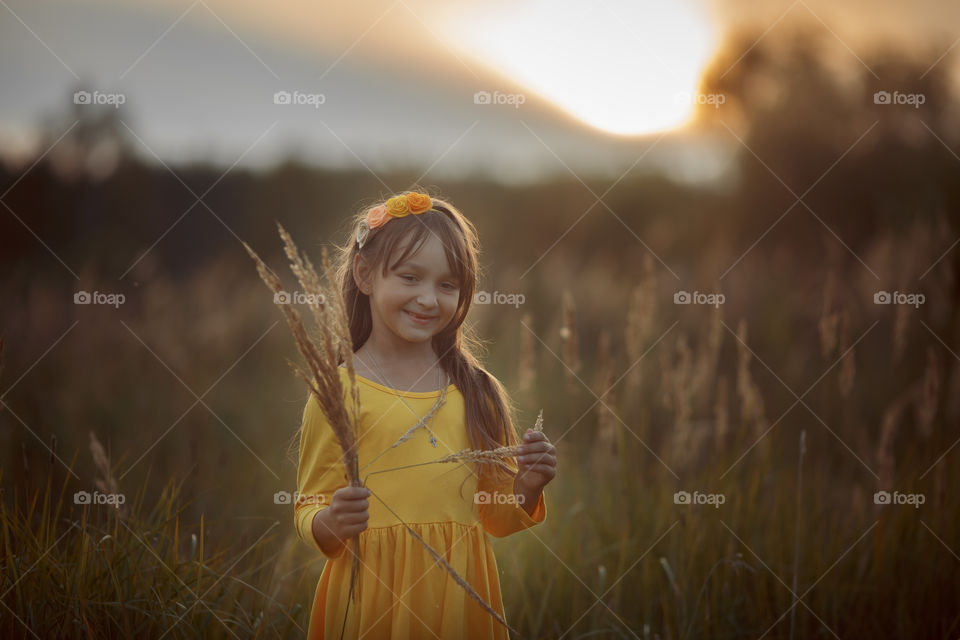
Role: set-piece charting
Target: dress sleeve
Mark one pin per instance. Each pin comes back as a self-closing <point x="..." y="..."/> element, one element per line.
<point x="319" y="474"/>
<point x="500" y="513"/>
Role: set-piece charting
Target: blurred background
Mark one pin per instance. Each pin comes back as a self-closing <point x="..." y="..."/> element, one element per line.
<point x="720" y="242"/>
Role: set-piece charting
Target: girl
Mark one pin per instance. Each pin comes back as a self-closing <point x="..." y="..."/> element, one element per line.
<point x="408" y="277"/>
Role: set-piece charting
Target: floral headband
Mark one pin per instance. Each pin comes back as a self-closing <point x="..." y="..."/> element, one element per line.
<point x="395" y="207"/>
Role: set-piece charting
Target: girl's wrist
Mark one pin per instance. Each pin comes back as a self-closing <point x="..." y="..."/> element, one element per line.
<point x="527" y="497"/>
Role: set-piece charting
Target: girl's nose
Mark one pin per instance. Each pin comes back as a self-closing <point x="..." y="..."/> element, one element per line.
<point x="427" y="299"/>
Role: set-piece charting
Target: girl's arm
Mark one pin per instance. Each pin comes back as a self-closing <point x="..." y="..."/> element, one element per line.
<point x="320" y="474"/>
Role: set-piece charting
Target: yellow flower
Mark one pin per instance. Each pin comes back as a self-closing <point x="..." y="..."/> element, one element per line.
<point x="397" y="206"/>
<point x="418" y="202"/>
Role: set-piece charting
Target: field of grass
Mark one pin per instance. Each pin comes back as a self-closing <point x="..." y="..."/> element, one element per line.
<point x="781" y="437"/>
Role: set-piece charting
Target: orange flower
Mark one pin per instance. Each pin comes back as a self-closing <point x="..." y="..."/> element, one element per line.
<point x="418" y="202"/>
<point x="377" y="216"/>
<point x="397" y="206"/>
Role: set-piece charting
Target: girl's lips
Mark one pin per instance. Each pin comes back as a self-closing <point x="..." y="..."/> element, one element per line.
<point x="418" y="318"/>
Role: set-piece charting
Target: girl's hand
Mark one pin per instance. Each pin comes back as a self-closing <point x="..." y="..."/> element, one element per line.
<point x="349" y="512"/>
<point x="537" y="461"/>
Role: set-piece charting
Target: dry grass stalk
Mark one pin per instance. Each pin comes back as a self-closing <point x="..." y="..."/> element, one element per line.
<point x="526" y="373"/>
<point x="885" y="459"/>
<point x="829" y="318"/>
<point x="901" y="322"/>
<point x="105" y="482"/>
<point x="480" y="455"/>
<point x="477" y="455"/>
<point x="568" y="333"/>
<point x="708" y="357"/>
<point x="721" y="415"/>
<point x="323" y="359"/>
<point x="751" y="402"/>
<point x="683" y="440"/>
<point x="929" y="395"/>
<point x="666" y="378"/>
<point x="606" y="436"/>
<point x="422" y="421"/>
<point x="848" y="367"/>
<point x="453" y="573"/>
<point x="640" y="317"/>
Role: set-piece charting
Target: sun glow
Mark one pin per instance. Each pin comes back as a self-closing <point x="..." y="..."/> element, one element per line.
<point x="621" y="66"/>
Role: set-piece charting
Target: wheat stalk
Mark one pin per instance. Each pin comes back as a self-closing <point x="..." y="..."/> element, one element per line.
<point x="483" y="456"/>
<point x="323" y="359"/>
<point x="453" y="573"/>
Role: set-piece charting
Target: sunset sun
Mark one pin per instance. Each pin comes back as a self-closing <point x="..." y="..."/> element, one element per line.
<point x="626" y="68"/>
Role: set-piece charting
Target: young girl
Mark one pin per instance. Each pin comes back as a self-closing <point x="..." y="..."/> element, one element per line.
<point x="408" y="277"/>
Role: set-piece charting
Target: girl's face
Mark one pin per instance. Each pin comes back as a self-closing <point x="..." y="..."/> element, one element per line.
<point x="418" y="298"/>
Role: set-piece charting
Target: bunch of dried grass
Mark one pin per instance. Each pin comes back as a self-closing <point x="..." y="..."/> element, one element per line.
<point x="323" y="357"/>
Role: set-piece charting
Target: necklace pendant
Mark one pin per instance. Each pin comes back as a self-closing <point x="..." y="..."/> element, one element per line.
<point x="433" y="441"/>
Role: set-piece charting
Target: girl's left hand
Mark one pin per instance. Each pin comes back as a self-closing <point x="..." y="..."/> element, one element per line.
<point x="537" y="462"/>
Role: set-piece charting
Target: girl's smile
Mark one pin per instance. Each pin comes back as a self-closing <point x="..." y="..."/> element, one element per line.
<point x="419" y="319"/>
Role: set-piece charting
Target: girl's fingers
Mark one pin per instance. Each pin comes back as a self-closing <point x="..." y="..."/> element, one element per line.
<point x="544" y="458"/>
<point x="543" y="469"/>
<point x="537" y="447"/>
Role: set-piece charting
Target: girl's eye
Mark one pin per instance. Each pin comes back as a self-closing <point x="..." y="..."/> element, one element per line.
<point x="450" y="286"/>
<point x="408" y="277"/>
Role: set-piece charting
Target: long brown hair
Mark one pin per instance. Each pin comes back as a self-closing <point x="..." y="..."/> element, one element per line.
<point x="489" y="413"/>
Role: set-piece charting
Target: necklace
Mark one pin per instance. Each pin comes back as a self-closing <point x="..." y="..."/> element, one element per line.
<point x="433" y="438"/>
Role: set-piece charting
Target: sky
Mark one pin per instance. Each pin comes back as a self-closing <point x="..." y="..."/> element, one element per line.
<point x="512" y="90"/>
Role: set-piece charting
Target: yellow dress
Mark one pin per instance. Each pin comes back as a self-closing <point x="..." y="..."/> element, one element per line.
<point x="402" y="592"/>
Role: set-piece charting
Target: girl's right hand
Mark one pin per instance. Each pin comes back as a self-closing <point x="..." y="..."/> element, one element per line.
<point x="349" y="511"/>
